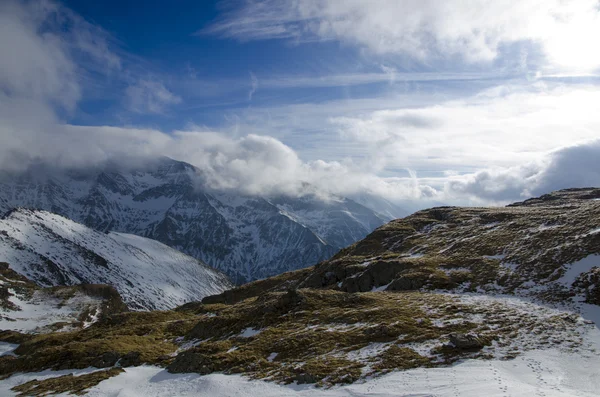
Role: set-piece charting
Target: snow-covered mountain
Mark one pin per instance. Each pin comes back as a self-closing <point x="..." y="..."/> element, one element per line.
<point x="51" y="250"/>
<point x="247" y="237"/>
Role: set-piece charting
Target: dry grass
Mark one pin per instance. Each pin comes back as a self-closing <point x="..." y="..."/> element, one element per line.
<point x="65" y="384"/>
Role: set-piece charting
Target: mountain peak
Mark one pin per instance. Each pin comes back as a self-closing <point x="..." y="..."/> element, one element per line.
<point x="248" y="237"/>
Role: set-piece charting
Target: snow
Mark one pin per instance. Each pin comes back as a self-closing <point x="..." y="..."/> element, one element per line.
<point x="147" y="274"/>
<point x="549" y="373"/>
<point x="43" y="310"/>
<point x="582" y="266"/>
<point x="380" y="288"/>
<point x="247" y="237"/>
<point x="249" y="332"/>
<point x="553" y="372"/>
<point x="7" y="348"/>
<point x="19" y="379"/>
<point x="497" y="257"/>
<point x="594" y="231"/>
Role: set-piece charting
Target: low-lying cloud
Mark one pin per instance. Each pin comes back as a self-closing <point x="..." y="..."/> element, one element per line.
<point x="573" y="166"/>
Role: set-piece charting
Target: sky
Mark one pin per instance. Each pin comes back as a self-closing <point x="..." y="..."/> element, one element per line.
<point x="418" y="102"/>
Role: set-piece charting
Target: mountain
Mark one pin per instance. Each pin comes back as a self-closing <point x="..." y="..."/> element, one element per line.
<point x="246" y="237"/>
<point x="26" y="307"/>
<point x="544" y="248"/>
<point x="380" y="205"/>
<point x="51" y="250"/>
<point x="447" y="301"/>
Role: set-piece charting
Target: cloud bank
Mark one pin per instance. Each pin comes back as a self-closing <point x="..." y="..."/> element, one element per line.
<point x="498" y="146"/>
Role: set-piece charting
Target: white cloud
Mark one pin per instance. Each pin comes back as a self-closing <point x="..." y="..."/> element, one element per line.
<point x="497" y="146"/>
<point x="502" y="126"/>
<point x="38" y="43"/>
<point x="571" y="166"/>
<point x="425" y="29"/>
<point x="149" y="96"/>
<point x="42" y="48"/>
<point x="253" y="85"/>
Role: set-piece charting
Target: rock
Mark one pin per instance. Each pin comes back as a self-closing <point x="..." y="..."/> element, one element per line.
<point x="381" y="331"/>
<point x="466" y="341"/>
<point x="290" y="300"/>
<point x="191" y="361"/>
<point x="305" y="378"/>
<point x="406" y="284"/>
<point x="131" y="359"/>
<point x="107" y="359"/>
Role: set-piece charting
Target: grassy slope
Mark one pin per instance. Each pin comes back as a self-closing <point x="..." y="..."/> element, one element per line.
<point x="323" y="324"/>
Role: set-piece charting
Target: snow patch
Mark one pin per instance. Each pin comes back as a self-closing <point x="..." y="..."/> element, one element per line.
<point x="549" y="372"/>
<point x="249" y="332"/>
<point x="577" y="268"/>
<point x="272" y="357"/>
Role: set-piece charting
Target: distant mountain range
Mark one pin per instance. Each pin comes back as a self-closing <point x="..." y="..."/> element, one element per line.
<point x="246" y="237"/>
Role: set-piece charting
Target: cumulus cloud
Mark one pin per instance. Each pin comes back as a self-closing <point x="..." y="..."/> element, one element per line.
<point x="425" y="29"/>
<point x="149" y="96"/>
<point x="252" y="164"/>
<point x="572" y="166"/>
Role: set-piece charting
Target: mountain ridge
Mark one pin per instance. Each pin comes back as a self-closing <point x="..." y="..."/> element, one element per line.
<point x="51" y="250"/>
<point x="444" y="288"/>
<point x="247" y="237"/>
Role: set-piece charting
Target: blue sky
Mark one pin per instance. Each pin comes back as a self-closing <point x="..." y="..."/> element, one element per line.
<point x="213" y="74"/>
<point x="413" y="101"/>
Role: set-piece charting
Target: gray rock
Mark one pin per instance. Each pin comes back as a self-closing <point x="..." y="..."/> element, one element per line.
<point x="131" y="359"/>
<point x="191" y="361"/>
<point x="107" y="359"/>
<point x="305" y="378"/>
<point x="466" y="341"/>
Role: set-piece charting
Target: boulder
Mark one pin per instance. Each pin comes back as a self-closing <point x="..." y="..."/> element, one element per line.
<point x="131" y="359"/>
<point x="107" y="359"/>
<point x="466" y="341"/>
<point x="191" y="361"/>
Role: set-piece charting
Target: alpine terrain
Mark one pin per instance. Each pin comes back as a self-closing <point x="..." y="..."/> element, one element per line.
<point x="246" y="237"/>
<point x="50" y="250"/>
<point x="449" y="301"/>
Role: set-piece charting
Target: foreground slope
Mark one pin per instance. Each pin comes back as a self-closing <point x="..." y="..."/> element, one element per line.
<point x="247" y="237"/>
<point x="449" y="301"/>
<point x="25" y="307"/>
<point x="51" y="250"/>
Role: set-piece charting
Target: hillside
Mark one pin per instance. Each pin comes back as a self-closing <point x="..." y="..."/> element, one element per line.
<point x="27" y="308"/>
<point x="448" y="301"/>
<point x="54" y="251"/>
<point x="544" y="248"/>
<point x="246" y="237"/>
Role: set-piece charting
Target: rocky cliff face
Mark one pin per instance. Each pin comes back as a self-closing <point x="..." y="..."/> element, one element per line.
<point x="245" y="237"/>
